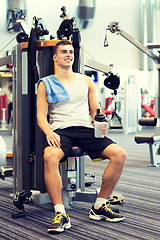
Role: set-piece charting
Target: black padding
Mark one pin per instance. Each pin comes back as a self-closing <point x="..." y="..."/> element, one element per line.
<point x="65" y="29"/>
<point x="144" y="139"/>
<point x="112" y="81"/>
<point x="147" y="139"/>
<point x="77" y="152"/>
<point x="147" y="121"/>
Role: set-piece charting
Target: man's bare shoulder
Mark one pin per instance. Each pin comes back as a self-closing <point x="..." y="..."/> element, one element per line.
<point x="89" y="81"/>
<point x="41" y="88"/>
<point x="41" y="85"/>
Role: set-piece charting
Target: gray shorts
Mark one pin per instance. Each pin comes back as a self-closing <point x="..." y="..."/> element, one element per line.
<point x="82" y="137"/>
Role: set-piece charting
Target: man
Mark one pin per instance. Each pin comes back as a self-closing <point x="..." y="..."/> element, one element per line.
<point x="68" y="97"/>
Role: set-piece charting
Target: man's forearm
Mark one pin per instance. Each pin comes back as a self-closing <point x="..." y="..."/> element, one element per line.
<point x="44" y="126"/>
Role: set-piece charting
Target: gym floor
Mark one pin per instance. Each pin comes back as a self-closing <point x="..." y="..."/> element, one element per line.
<point x="139" y="184"/>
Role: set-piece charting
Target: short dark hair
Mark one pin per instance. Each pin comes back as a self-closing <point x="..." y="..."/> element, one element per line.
<point x="62" y="42"/>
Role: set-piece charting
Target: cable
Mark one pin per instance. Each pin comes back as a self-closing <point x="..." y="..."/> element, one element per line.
<point x="7" y="44"/>
<point x="89" y="54"/>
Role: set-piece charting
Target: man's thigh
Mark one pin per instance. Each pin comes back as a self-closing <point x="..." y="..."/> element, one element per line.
<point x="111" y="151"/>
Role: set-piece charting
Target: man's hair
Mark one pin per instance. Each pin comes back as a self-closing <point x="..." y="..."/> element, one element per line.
<point x="62" y="42"/>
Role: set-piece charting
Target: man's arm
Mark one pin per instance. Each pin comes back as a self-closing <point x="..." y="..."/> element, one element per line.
<point x="92" y="98"/>
<point x="42" y="111"/>
<point x="93" y="101"/>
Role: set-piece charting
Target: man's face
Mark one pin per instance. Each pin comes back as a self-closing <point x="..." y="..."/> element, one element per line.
<point x="64" y="56"/>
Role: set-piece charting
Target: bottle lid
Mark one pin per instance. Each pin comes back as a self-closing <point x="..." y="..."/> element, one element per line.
<point x="98" y="111"/>
<point x="99" y="117"/>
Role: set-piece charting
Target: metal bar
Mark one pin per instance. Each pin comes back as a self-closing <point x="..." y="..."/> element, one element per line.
<point x="151" y="154"/>
<point x="142" y="27"/>
<point x="5" y="60"/>
<point x="150" y="29"/>
<point x="97" y="66"/>
<point x="114" y="28"/>
<point x="82" y="173"/>
<point x="140" y="46"/>
<point x="153" y="45"/>
<point x="17" y="119"/>
<point x="14" y="122"/>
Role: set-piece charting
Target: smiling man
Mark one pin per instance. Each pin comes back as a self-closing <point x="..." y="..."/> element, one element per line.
<point x="67" y="97"/>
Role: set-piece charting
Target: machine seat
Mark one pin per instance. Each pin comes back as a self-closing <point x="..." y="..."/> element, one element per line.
<point x="147" y="139"/>
<point x="77" y="152"/>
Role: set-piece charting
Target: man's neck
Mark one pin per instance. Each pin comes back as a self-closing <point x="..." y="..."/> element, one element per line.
<point x="64" y="75"/>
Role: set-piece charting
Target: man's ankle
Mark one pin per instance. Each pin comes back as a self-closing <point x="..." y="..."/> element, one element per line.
<point x="99" y="202"/>
<point x="59" y="208"/>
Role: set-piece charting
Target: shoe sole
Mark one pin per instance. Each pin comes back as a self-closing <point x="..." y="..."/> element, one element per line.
<point x="101" y="217"/>
<point x="59" y="230"/>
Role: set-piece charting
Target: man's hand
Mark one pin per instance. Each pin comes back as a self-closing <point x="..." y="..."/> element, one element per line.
<point x="53" y="139"/>
<point x="105" y="129"/>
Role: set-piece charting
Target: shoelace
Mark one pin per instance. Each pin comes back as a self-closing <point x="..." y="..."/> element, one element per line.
<point x="59" y="216"/>
<point x="107" y="209"/>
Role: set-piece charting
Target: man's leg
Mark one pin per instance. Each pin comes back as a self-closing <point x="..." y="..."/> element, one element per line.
<point x="53" y="182"/>
<point x="110" y="177"/>
<point x="113" y="171"/>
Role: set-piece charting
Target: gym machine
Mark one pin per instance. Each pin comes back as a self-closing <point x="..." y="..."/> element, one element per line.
<point x="29" y="186"/>
<point x="112" y="82"/>
<point x="33" y="60"/>
<point x="153" y="141"/>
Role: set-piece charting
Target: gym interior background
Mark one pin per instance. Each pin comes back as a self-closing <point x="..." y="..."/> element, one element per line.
<point x="135" y="98"/>
<point x="140" y="21"/>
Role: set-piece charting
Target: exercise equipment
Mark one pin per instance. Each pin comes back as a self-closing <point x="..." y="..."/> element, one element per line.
<point x="152" y="141"/>
<point x="14" y="15"/>
<point x="112" y="82"/>
<point x="4" y="170"/>
<point x="19" y="200"/>
<point x="107" y="111"/>
<point x="7" y="169"/>
<point x="86" y="12"/>
<point x="28" y="138"/>
<point x="115" y="122"/>
<point x="149" y="109"/>
<point x="28" y="153"/>
<point x="3" y="151"/>
<point x="29" y="170"/>
<point x="33" y="60"/>
<point x="115" y="28"/>
<point x="69" y="30"/>
<point x="147" y="121"/>
<point x="116" y="201"/>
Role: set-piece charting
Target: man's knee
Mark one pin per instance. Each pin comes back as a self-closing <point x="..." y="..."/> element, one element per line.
<point x="115" y="154"/>
<point x="121" y="156"/>
<point x="52" y="156"/>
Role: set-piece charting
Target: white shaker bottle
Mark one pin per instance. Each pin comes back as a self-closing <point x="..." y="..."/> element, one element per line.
<point x="99" y="121"/>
